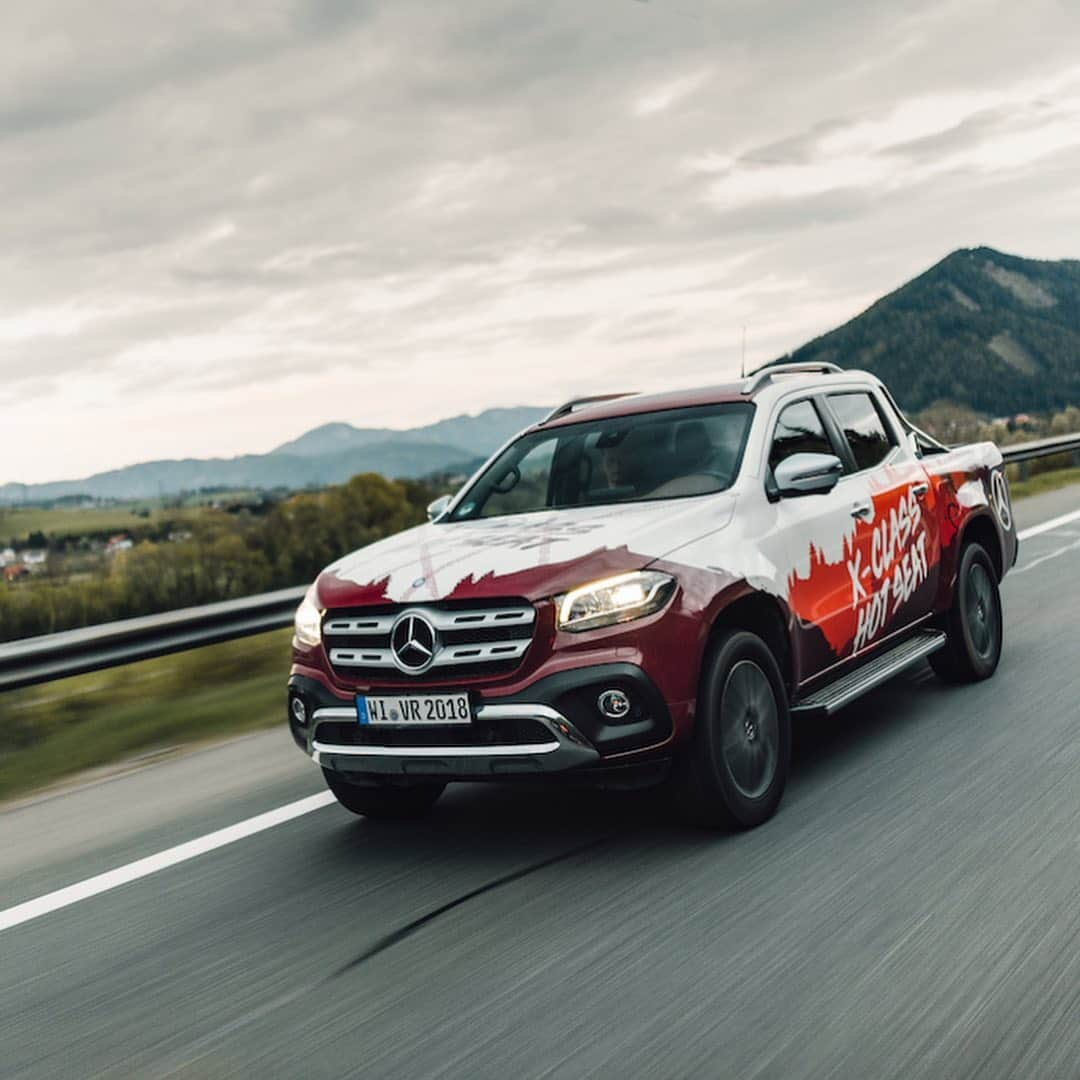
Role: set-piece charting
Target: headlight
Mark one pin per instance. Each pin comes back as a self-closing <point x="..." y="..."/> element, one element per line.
<point x="615" y="600"/>
<point x="308" y="622"/>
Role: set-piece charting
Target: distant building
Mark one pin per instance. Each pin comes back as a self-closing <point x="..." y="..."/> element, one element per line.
<point x="7" y="556"/>
<point x="120" y="542"/>
<point x="34" y="556"/>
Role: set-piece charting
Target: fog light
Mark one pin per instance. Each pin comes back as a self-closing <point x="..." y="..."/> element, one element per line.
<point x="614" y="704"/>
<point x="299" y="711"/>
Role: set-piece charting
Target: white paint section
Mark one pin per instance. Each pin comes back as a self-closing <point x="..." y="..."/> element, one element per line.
<point x="112" y="879"/>
<point x="1050" y="526"/>
<point x="971" y="493"/>
<point x="447" y="555"/>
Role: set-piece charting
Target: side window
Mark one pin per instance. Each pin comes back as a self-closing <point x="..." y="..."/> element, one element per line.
<point x="865" y="431"/>
<point x="799" y="431"/>
<point x="522" y="487"/>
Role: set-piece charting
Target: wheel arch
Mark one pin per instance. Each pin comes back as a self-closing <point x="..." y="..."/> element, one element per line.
<point x="764" y="616"/>
<point x="981" y="529"/>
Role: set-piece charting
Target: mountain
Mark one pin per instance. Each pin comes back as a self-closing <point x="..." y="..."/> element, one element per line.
<point x="478" y="435"/>
<point x="327" y="455"/>
<point x="996" y="332"/>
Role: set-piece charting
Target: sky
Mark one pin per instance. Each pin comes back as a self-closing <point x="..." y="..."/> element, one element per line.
<point x="226" y="224"/>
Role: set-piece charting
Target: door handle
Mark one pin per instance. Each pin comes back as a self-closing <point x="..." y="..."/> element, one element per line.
<point x="862" y="510"/>
<point x="920" y="490"/>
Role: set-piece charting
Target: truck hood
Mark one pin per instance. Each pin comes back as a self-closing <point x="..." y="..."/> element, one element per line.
<point x="524" y="555"/>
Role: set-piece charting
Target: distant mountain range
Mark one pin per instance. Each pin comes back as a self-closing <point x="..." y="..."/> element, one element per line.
<point x="998" y="333"/>
<point x="992" y="331"/>
<point x="326" y="455"/>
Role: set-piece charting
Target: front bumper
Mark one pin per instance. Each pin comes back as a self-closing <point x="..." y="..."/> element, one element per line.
<point x="561" y="747"/>
<point x="552" y="726"/>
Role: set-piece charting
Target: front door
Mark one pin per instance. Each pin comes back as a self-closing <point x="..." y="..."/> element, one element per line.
<point x="817" y="534"/>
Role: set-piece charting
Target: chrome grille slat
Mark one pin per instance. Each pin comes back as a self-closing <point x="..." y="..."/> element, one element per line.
<point x="471" y="620"/>
<point x="372" y="624"/>
<point x="449" y="655"/>
<point x="481" y="654"/>
<point x="484" y="618"/>
<point x="374" y="658"/>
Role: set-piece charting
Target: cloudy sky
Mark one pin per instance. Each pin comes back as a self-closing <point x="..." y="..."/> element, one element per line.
<point x="225" y="224"/>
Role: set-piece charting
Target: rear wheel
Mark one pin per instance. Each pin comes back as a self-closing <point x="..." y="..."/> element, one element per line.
<point x="734" y="772"/>
<point x="974" y="623"/>
<point x="384" y="801"/>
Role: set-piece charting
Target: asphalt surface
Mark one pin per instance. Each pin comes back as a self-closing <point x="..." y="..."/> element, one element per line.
<point x="914" y="910"/>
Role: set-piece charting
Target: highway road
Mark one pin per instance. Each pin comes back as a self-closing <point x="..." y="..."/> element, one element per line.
<point x="914" y="910"/>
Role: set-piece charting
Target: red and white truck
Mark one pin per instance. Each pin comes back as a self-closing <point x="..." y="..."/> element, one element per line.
<point x="652" y="588"/>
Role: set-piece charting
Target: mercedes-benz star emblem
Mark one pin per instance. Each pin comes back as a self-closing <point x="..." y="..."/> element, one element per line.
<point x="413" y="643"/>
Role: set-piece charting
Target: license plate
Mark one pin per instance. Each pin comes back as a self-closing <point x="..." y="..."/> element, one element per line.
<point x="410" y="710"/>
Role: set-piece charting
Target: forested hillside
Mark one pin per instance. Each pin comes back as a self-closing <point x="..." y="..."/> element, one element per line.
<point x="220" y="556"/>
<point x="992" y="331"/>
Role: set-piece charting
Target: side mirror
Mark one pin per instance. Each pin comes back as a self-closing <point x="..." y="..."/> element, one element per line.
<point x="439" y="507"/>
<point x="913" y="444"/>
<point x="807" y="474"/>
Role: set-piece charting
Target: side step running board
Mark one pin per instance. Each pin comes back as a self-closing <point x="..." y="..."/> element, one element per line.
<point x="843" y="691"/>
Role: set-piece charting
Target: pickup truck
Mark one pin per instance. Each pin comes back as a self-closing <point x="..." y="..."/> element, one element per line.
<point x="648" y="589"/>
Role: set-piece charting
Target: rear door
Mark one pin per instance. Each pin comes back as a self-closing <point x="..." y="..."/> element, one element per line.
<point x="894" y="550"/>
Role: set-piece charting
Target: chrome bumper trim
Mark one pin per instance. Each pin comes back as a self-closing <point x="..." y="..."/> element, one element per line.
<point x="510" y="750"/>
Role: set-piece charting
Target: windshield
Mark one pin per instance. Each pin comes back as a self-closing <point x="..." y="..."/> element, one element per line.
<point x="661" y="455"/>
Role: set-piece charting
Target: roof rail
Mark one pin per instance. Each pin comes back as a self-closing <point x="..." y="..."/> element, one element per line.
<point x="574" y="404"/>
<point x="765" y="374"/>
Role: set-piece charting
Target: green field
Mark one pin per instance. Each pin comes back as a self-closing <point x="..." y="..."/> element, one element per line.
<point x="52" y="731"/>
<point x="19" y="522"/>
<point x="23" y="521"/>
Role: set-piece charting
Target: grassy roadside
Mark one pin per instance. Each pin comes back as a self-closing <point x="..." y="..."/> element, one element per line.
<point x="1043" y="482"/>
<point x="52" y="731"/>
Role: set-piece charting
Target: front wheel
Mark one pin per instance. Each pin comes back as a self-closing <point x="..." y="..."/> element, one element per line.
<point x="974" y="623"/>
<point x="734" y="772"/>
<point x="386" y="801"/>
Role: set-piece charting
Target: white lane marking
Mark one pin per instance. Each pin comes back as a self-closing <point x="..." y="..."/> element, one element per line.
<point x="1074" y="546"/>
<point x="1049" y="526"/>
<point x="111" y="879"/>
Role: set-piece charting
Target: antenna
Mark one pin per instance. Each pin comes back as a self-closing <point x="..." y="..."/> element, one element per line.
<point x="742" y="366"/>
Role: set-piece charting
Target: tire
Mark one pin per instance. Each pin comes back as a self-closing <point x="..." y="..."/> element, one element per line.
<point x="735" y="769"/>
<point x="974" y="623"/>
<point x="387" y="801"/>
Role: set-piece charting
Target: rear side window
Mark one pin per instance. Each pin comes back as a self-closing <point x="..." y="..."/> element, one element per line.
<point x="799" y="431"/>
<point x="863" y="427"/>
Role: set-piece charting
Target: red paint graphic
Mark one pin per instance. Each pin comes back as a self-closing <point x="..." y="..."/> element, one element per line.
<point x="884" y="562"/>
<point x="952" y="516"/>
<point x="815" y="598"/>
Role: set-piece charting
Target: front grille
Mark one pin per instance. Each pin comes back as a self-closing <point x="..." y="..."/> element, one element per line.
<point x="470" y="640"/>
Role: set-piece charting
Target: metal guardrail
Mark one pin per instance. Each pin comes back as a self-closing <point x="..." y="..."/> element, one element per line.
<point x="92" y="648"/>
<point x="1038" y="448"/>
<point x="76" y="652"/>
